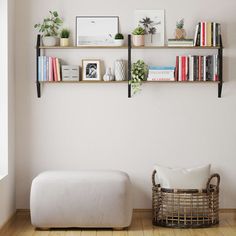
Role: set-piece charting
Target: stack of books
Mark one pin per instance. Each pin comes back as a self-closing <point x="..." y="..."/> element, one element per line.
<point x="197" y="68"/>
<point x="49" y="69"/>
<point x="161" y="73"/>
<point x="180" y="43"/>
<point x="208" y="34"/>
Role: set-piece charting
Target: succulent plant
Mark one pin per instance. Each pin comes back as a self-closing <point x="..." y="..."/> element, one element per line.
<point x="50" y="25"/>
<point x="180" y="24"/>
<point x="119" y="36"/>
<point x="139" y="74"/>
<point x="139" y="31"/>
<point x="65" y="34"/>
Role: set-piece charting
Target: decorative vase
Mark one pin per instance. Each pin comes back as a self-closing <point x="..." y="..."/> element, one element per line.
<point x="119" y="70"/>
<point x="138" y="40"/>
<point x="108" y="76"/>
<point x="180" y="33"/>
<point x="119" y="42"/>
<point x="64" y="42"/>
<point x="49" y="41"/>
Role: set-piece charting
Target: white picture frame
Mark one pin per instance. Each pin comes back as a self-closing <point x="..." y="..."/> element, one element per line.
<point x="91" y="70"/>
<point x="153" y="21"/>
<point x="96" y="30"/>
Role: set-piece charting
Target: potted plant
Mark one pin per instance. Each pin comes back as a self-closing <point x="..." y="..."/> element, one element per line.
<point x="138" y="36"/>
<point x="139" y="73"/>
<point x="49" y="28"/>
<point x="64" y="38"/>
<point x="180" y="32"/>
<point x="119" y="40"/>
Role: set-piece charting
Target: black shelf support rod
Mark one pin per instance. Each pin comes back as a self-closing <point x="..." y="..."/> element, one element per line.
<point x="37" y="66"/>
<point x="129" y="65"/>
<point x="220" y="55"/>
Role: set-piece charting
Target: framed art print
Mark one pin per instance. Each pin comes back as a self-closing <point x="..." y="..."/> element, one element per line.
<point x="96" y="30"/>
<point x="91" y="70"/>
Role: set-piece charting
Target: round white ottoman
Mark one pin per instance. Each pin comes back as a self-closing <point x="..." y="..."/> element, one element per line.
<point x="98" y="199"/>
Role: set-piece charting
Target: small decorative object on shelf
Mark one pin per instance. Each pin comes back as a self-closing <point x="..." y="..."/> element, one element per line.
<point x="64" y="40"/>
<point x="180" y="43"/>
<point x="180" y="32"/>
<point x="108" y="76"/>
<point x="161" y="73"/>
<point x="91" y="70"/>
<point x="70" y="73"/>
<point x="119" y="70"/>
<point x="139" y="74"/>
<point x="138" y="36"/>
<point x="119" y="40"/>
<point x="49" y="28"/>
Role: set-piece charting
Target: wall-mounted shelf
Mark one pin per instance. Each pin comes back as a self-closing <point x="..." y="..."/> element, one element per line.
<point x="129" y="48"/>
<point x="82" y="82"/>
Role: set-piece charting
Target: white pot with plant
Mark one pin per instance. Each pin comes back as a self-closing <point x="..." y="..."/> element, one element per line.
<point x="49" y="28"/>
<point x="138" y="36"/>
<point x="64" y="38"/>
<point x="139" y="73"/>
<point x="119" y="40"/>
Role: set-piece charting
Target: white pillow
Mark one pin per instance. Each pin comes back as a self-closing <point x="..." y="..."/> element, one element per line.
<point x="177" y="178"/>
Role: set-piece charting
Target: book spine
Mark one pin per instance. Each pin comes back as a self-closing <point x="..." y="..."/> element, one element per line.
<point x="205" y="37"/>
<point x="204" y="68"/>
<point x="47" y="78"/>
<point x="196" y="35"/>
<point x="183" y="68"/>
<point x="58" y="69"/>
<point x="180" y="69"/>
<point x="186" y="69"/>
<point x="199" y="68"/>
<point x="44" y="68"/>
<point x="209" y="34"/>
<point x="203" y="34"/>
<point x="54" y="69"/>
<point x="214" y="34"/>
<point x="176" y="68"/>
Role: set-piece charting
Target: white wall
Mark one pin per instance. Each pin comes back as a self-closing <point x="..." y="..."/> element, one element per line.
<point x="92" y="126"/>
<point x="7" y="185"/>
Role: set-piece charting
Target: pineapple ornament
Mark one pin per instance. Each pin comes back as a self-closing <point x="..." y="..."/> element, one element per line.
<point x="180" y="32"/>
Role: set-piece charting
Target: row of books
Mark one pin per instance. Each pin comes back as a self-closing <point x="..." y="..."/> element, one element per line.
<point x="207" y="34"/>
<point x="49" y="68"/>
<point x="197" y="68"/>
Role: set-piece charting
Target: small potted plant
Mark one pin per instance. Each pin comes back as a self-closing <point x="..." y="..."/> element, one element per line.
<point x="49" y="28"/>
<point x="180" y="32"/>
<point x="139" y="73"/>
<point x="64" y="38"/>
<point x="119" y="40"/>
<point x="138" y="36"/>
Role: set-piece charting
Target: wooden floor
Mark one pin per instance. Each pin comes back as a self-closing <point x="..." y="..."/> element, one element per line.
<point x="141" y="226"/>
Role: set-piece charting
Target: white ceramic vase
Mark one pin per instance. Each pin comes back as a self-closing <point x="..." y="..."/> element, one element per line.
<point x="138" y="40"/>
<point x="64" y="42"/>
<point x="119" y="42"/>
<point x="50" y="41"/>
<point x="108" y="76"/>
<point x="119" y="70"/>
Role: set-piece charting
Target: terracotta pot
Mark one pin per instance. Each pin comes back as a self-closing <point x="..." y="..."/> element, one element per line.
<point x="64" y="42"/>
<point x="138" y="40"/>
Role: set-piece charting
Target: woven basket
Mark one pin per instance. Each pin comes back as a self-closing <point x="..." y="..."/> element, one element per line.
<point x="186" y="208"/>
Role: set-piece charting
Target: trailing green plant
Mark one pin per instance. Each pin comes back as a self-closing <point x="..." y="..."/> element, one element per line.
<point x="139" y="72"/>
<point x="65" y="34"/>
<point x="180" y="24"/>
<point x="50" y="25"/>
<point x="119" y="36"/>
<point x="139" y="31"/>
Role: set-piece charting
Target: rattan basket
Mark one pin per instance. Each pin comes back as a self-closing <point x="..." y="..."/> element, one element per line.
<point x="186" y="208"/>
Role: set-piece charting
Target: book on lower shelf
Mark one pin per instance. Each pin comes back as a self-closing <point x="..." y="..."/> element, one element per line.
<point x="161" y="73"/>
<point x="180" y="42"/>
<point x="197" y="68"/>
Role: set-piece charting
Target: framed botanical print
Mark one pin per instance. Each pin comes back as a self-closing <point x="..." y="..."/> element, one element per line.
<point x="91" y="70"/>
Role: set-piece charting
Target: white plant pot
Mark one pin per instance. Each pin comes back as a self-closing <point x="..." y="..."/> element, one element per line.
<point x="119" y="42"/>
<point x="64" y="42"/>
<point x="138" y="40"/>
<point x="50" y="41"/>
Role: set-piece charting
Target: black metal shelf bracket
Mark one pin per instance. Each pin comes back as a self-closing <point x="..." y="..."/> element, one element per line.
<point x="38" y="86"/>
<point x="129" y="66"/>
<point x="220" y="56"/>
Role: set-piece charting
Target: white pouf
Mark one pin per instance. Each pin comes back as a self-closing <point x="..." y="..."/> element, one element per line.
<point x="81" y="199"/>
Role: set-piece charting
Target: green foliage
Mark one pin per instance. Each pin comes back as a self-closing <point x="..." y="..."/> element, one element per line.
<point x="65" y="34"/>
<point x="180" y="24"/>
<point x="139" y="73"/>
<point x="50" y="25"/>
<point x="119" y="36"/>
<point x="139" y="31"/>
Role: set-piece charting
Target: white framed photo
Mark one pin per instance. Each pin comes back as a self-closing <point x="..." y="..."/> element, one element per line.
<point x="153" y="21"/>
<point x="91" y="70"/>
<point x="96" y="30"/>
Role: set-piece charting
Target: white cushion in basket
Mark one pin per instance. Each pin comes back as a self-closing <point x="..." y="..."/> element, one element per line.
<point x="178" y="178"/>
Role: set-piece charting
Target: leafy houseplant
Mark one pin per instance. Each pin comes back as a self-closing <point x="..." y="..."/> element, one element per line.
<point x="64" y="38"/>
<point x="138" y="36"/>
<point x="139" y="74"/>
<point x="49" y="28"/>
<point x="180" y="32"/>
<point x="119" y="39"/>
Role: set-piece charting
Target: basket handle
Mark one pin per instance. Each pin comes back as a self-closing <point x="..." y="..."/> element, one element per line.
<point x="217" y="176"/>
<point x="153" y="178"/>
